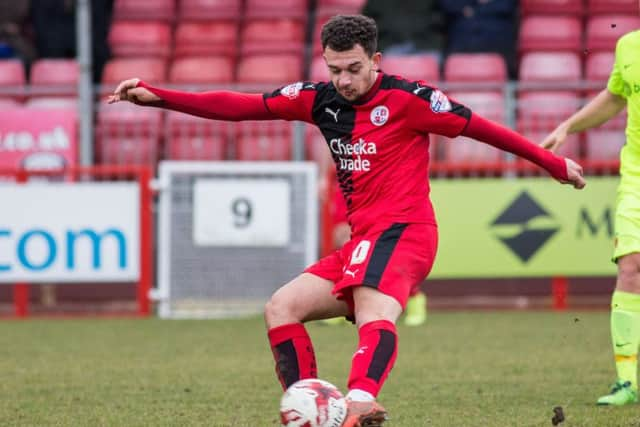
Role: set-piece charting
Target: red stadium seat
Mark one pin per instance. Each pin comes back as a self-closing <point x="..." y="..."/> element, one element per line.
<point x="550" y="33"/>
<point x="209" y="70"/>
<point x="12" y="73"/>
<point x="194" y="138"/>
<point x="204" y="38"/>
<point x="469" y="152"/>
<point x="599" y="66"/>
<point x="603" y="31"/>
<point x="263" y="140"/>
<point x="316" y="149"/>
<point x="128" y="134"/>
<point x="412" y="67"/>
<point x="339" y="7"/>
<point x="148" y="69"/>
<point x="59" y="77"/>
<point x="540" y="112"/>
<point x="319" y="71"/>
<point x="489" y="105"/>
<point x="548" y="103"/>
<point x="475" y="67"/>
<point x="612" y="6"/>
<point x="270" y="69"/>
<point x="316" y="41"/>
<point x="604" y="144"/>
<point x="50" y="102"/>
<point x="13" y="79"/>
<point x="162" y="10"/>
<point x="209" y="9"/>
<point x="9" y="104"/>
<point x="550" y="67"/>
<point x="140" y="39"/>
<point x="296" y="9"/>
<point x="272" y="36"/>
<point x="555" y="7"/>
<point x="605" y="141"/>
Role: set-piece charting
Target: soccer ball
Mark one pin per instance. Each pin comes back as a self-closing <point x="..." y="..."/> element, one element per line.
<point x="312" y="403"/>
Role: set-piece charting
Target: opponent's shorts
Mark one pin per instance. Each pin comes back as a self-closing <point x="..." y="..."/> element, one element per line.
<point x="394" y="261"/>
<point x="627" y="224"/>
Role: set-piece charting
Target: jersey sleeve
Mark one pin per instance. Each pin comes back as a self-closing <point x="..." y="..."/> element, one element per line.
<point x="616" y="84"/>
<point x="292" y="102"/>
<point x="431" y="111"/>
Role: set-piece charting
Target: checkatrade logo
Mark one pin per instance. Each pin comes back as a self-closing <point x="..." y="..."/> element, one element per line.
<point x="524" y="227"/>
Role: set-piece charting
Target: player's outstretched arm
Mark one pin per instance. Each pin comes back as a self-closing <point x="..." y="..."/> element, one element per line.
<point x="564" y="170"/>
<point x="598" y="111"/>
<point x="217" y="105"/>
<point x="128" y="90"/>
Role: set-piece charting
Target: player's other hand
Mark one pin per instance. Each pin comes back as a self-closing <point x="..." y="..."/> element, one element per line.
<point x="127" y="91"/>
<point x="555" y="139"/>
<point x="574" y="173"/>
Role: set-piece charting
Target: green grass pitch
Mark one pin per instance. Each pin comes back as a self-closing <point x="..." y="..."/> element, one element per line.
<point x="460" y="369"/>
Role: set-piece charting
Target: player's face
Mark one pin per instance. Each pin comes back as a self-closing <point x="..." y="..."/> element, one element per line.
<point x="352" y="71"/>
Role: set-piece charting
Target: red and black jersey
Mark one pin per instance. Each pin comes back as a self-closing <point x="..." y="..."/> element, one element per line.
<point x="380" y="143"/>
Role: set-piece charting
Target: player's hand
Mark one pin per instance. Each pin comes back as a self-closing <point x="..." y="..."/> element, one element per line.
<point x="555" y="139"/>
<point x="574" y="173"/>
<point x="127" y="91"/>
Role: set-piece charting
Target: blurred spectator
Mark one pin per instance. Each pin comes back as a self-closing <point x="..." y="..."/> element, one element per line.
<point x="482" y="26"/>
<point x="54" y="23"/>
<point x="13" y="41"/>
<point x="55" y="26"/>
<point x="407" y="26"/>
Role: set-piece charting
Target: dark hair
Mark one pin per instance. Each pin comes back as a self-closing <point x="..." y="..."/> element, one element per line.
<point x="343" y="32"/>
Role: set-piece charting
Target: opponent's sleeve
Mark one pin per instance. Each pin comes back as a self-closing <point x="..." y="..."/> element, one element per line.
<point x="616" y="84"/>
<point x="292" y="102"/>
<point x="431" y="111"/>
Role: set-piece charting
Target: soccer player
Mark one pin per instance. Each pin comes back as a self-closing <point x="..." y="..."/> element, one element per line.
<point x="623" y="89"/>
<point x="376" y="127"/>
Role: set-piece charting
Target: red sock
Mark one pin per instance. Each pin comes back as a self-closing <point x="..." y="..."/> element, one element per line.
<point x="377" y="351"/>
<point x="293" y="353"/>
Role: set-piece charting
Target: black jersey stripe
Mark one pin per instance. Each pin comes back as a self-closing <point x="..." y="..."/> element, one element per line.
<point x="414" y="87"/>
<point x="381" y="254"/>
<point x="336" y="120"/>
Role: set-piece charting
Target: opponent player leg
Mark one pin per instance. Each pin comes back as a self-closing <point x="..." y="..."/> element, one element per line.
<point x="625" y="331"/>
<point x="307" y="297"/>
<point x="416" y="311"/>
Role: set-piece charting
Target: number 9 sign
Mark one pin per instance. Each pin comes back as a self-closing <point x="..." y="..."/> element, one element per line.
<point x="247" y="212"/>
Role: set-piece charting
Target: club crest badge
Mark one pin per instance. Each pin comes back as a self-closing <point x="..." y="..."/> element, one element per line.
<point x="379" y="115"/>
<point x="292" y="91"/>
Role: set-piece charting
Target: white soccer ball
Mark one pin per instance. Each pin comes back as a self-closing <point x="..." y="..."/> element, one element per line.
<point x="312" y="403"/>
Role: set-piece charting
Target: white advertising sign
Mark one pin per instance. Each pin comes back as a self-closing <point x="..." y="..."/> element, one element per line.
<point x="85" y="232"/>
<point x="250" y="212"/>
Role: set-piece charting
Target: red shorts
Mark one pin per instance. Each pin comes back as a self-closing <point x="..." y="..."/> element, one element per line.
<point x="395" y="261"/>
